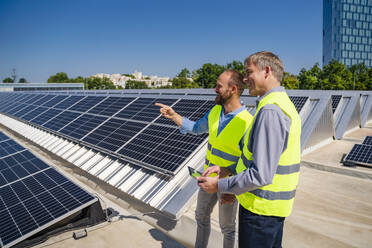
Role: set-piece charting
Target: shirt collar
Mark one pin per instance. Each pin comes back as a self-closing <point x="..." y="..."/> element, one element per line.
<point x="235" y="112"/>
<point x="276" y="89"/>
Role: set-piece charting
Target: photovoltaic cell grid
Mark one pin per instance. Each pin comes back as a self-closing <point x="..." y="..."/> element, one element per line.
<point x="114" y="133"/>
<point x="188" y="108"/>
<point x="110" y="106"/>
<point x="3" y="137"/>
<point x="135" y="107"/>
<point x="87" y="103"/>
<point x="82" y="126"/>
<point x="335" y="101"/>
<point x="125" y="134"/>
<point x="9" y="146"/>
<point x="162" y="146"/>
<point x="367" y="140"/>
<point x="360" y="154"/>
<point x="33" y="196"/>
<point x="299" y="102"/>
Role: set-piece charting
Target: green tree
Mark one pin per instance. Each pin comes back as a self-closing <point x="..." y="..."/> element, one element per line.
<point x="60" y="77"/>
<point x="95" y="83"/>
<point x="369" y="81"/>
<point x="128" y="75"/>
<point x="290" y="81"/>
<point x="78" y="79"/>
<point x="132" y="84"/>
<point x="360" y="76"/>
<point x="22" y="80"/>
<point x="236" y="65"/>
<point x="207" y="76"/>
<point x="310" y="79"/>
<point x="335" y="76"/>
<point x="8" y="80"/>
<point x="182" y="82"/>
<point x="185" y="73"/>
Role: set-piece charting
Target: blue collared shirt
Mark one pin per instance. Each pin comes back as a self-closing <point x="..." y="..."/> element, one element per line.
<point x="201" y="126"/>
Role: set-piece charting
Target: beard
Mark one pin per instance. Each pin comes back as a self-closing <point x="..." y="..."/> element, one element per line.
<point x="221" y="100"/>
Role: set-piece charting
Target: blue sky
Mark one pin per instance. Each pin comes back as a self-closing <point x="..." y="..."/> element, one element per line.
<point x="84" y="37"/>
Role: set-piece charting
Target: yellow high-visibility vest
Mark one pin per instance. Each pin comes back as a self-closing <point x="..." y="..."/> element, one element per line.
<point x="277" y="198"/>
<point x="223" y="149"/>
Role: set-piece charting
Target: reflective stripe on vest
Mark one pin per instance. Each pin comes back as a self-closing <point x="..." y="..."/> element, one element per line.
<point x="277" y="198"/>
<point x="223" y="148"/>
<point x="281" y="169"/>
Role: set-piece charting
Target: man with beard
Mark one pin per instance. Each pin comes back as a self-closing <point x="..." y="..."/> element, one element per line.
<point x="226" y="123"/>
<point x="267" y="173"/>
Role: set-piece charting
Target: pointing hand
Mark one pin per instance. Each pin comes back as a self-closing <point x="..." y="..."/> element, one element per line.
<point x="166" y="111"/>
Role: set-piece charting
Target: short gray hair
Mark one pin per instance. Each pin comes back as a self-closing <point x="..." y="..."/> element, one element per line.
<point x="263" y="59"/>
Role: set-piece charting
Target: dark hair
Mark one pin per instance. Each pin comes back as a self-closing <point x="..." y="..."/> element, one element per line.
<point x="236" y="78"/>
<point x="263" y="59"/>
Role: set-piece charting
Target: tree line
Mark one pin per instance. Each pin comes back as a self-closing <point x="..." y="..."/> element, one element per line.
<point x="90" y="83"/>
<point x="334" y="76"/>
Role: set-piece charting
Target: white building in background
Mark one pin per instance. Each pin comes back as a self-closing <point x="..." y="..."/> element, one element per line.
<point x="151" y="81"/>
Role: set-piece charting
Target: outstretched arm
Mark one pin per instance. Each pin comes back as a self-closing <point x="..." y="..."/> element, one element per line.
<point x="169" y="113"/>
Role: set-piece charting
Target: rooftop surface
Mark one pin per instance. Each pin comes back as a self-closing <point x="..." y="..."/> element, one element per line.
<point x="332" y="207"/>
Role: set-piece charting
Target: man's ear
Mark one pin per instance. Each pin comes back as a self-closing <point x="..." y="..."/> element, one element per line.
<point x="267" y="71"/>
<point x="234" y="89"/>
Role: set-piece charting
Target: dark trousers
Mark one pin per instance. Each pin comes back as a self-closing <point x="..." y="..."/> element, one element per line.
<point x="259" y="231"/>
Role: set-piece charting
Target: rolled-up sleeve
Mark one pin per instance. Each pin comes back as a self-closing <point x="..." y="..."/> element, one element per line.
<point x="268" y="139"/>
<point x="194" y="127"/>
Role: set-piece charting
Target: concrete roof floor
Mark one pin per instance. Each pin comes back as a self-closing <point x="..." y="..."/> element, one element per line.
<point x="332" y="208"/>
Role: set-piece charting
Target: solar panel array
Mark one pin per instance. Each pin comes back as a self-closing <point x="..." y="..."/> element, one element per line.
<point x="335" y="101"/>
<point x="33" y="195"/>
<point x="360" y="154"/>
<point x="299" y="102"/>
<point x="367" y="140"/>
<point x="127" y="127"/>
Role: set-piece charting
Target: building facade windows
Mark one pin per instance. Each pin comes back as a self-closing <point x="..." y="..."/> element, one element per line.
<point x="347" y="31"/>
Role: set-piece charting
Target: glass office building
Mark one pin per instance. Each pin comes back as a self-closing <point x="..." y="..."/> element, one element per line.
<point x="347" y="31"/>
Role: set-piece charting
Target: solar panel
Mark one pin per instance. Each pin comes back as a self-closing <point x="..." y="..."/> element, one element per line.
<point x="3" y="137"/>
<point x="114" y="133"/>
<point x="68" y="102"/>
<point x="34" y="196"/>
<point x="46" y="116"/>
<point x="299" y="102"/>
<point x="360" y="154"/>
<point x="121" y="126"/>
<point x="202" y="110"/>
<point x="55" y="100"/>
<point x="32" y="99"/>
<point x="162" y="147"/>
<point x="8" y="147"/>
<point x="111" y="106"/>
<point x="367" y="140"/>
<point x="34" y="113"/>
<point x="150" y="112"/>
<point x="17" y="108"/>
<point x="61" y="120"/>
<point x="186" y="108"/>
<point x="22" y="98"/>
<point x="82" y="125"/>
<point x="87" y="103"/>
<point x="8" y="106"/>
<point x="24" y="111"/>
<point x="135" y="107"/>
<point x="5" y="97"/>
<point x="43" y="99"/>
<point x="335" y="101"/>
